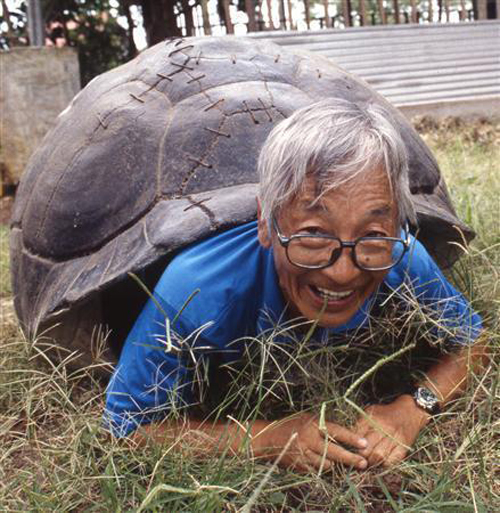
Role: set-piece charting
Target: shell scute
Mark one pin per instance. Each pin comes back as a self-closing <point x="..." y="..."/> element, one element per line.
<point x="110" y="178"/>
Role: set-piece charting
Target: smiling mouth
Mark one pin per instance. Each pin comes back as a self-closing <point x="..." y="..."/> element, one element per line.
<point x="332" y="296"/>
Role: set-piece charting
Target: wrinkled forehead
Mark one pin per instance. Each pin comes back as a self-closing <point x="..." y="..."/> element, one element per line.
<point x="370" y="185"/>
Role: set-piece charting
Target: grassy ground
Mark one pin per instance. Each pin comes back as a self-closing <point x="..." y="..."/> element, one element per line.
<point x="54" y="456"/>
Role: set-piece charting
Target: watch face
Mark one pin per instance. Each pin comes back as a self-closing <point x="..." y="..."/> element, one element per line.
<point x="426" y="399"/>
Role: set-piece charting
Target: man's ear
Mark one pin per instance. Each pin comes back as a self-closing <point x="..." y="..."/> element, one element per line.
<point x="263" y="228"/>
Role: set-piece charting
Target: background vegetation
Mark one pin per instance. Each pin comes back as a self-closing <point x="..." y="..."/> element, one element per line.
<point x="103" y="30"/>
<point x="54" y="455"/>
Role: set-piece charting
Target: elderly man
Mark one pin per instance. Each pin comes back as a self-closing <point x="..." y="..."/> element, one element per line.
<point x="331" y="241"/>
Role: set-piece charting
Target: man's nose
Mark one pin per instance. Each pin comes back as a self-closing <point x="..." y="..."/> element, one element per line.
<point x="344" y="270"/>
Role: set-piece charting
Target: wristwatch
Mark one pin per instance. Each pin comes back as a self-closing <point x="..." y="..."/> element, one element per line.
<point x="426" y="400"/>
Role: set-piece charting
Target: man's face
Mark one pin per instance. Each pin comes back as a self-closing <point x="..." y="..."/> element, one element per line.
<point x="362" y="207"/>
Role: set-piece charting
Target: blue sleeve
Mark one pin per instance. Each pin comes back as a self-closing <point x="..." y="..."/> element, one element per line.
<point x="156" y="372"/>
<point x="452" y="316"/>
<point x="154" y="376"/>
<point x="151" y="376"/>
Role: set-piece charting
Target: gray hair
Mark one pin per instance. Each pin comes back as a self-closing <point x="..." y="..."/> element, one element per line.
<point x="334" y="141"/>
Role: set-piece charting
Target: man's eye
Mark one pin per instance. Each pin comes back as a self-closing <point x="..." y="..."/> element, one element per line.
<point x="310" y="230"/>
<point x="375" y="233"/>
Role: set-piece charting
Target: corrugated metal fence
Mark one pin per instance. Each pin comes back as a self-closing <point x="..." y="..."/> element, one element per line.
<point x="439" y="69"/>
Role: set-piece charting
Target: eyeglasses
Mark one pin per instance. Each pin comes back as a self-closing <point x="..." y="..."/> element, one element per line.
<point x="320" y="251"/>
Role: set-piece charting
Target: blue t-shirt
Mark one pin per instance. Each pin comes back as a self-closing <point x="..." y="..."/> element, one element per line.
<point x="237" y="295"/>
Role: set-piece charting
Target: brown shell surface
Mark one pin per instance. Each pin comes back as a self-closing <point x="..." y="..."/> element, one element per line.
<point x="162" y="151"/>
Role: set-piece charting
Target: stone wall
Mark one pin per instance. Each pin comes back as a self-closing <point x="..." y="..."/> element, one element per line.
<point x="36" y="85"/>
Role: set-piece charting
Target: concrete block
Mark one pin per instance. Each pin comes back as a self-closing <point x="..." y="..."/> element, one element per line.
<point x="36" y="84"/>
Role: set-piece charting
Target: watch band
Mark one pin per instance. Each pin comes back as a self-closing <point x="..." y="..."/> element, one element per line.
<point x="427" y="400"/>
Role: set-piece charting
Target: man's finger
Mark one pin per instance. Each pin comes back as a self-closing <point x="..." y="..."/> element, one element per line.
<point x="362" y="428"/>
<point x="318" y="461"/>
<point x="301" y="466"/>
<point x="374" y="438"/>
<point x="396" y="456"/>
<point x="343" y="435"/>
<point x="381" y="451"/>
<point x="337" y="453"/>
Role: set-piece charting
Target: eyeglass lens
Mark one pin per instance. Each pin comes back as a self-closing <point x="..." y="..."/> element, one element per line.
<point x="370" y="253"/>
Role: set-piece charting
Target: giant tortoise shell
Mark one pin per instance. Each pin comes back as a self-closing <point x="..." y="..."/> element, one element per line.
<point x="159" y="153"/>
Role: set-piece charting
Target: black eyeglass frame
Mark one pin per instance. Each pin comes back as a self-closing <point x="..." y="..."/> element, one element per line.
<point x="285" y="242"/>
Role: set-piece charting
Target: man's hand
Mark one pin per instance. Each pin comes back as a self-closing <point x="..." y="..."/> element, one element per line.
<point x="390" y="430"/>
<point x="313" y="447"/>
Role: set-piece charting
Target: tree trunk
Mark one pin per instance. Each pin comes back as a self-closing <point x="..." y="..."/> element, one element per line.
<point x="270" y="14"/>
<point x="261" y="24"/>
<point x="250" y="10"/>
<point x="362" y="13"/>
<point x="413" y="11"/>
<point x="132" y="49"/>
<point x="447" y="10"/>
<point x="159" y="18"/>
<point x="481" y="10"/>
<point x="345" y="13"/>
<point x="328" y="22"/>
<point x="207" y="29"/>
<point x="381" y="11"/>
<point x="431" y="12"/>
<point x="290" y="16"/>
<point x="463" y="11"/>
<point x="308" y="13"/>
<point x="397" y="18"/>
<point x="188" y="17"/>
<point x="227" y="17"/>
<point x="282" y="14"/>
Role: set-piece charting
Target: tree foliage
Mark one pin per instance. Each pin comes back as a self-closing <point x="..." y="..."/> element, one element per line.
<point x="91" y="26"/>
<point x="12" y="25"/>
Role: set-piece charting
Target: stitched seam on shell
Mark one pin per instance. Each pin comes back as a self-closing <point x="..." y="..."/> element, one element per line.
<point x="212" y="146"/>
<point x="160" y="154"/>
<point x="204" y="209"/>
<point x="206" y="154"/>
<point x="73" y="161"/>
<point x="264" y="79"/>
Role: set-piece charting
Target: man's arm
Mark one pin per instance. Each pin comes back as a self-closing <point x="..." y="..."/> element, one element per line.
<point x="310" y="448"/>
<point x="383" y="436"/>
<point x="392" y="429"/>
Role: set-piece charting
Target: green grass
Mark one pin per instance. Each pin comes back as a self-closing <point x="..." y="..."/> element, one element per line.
<point x="54" y="455"/>
<point x="5" y="287"/>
